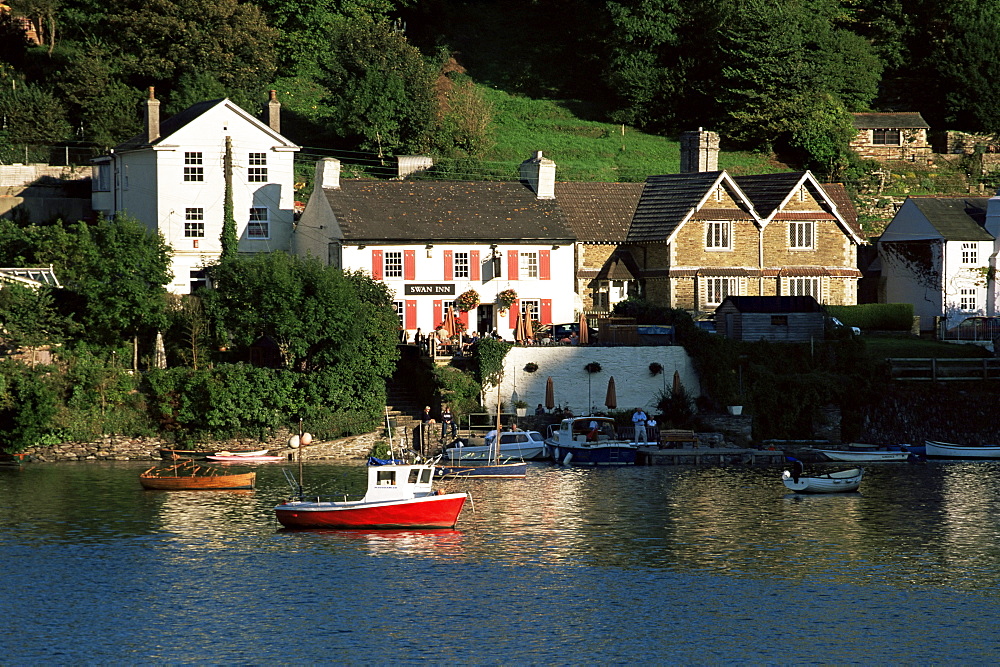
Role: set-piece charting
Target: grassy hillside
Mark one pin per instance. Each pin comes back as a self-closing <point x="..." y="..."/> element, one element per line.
<point x="589" y="150"/>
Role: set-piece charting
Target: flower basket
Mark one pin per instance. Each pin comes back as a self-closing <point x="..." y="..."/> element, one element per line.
<point x="467" y="300"/>
<point x="506" y="299"/>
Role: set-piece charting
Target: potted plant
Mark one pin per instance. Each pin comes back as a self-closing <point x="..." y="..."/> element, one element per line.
<point x="521" y="407"/>
<point x="467" y="300"/>
<point x="506" y="299"/>
<point x="655" y="368"/>
<point x="530" y="367"/>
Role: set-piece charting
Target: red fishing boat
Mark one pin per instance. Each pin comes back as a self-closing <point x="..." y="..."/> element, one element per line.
<point x="398" y="496"/>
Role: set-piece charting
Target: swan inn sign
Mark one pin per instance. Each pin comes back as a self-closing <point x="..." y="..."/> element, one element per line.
<point x="416" y="290"/>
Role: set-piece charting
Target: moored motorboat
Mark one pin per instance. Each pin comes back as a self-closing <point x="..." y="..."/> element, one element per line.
<point x="863" y="456"/>
<point x="526" y="445"/>
<point x="946" y="450"/>
<point x="188" y="476"/>
<point x="243" y="458"/>
<point x="398" y="496"/>
<point x="589" y="441"/>
<point x="841" y="481"/>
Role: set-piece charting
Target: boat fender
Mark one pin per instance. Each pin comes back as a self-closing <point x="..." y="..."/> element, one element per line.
<point x="567" y="458"/>
<point x="440" y="492"/>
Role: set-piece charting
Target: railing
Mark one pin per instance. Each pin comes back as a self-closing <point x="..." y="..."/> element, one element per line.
<point x="973" y="329"/>
<point x="939" y="370"/>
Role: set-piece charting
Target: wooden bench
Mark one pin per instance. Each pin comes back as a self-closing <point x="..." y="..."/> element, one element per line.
<point x="675" y="437"/>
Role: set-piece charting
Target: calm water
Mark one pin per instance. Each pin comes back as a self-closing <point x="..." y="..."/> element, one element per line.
<point x="568" y="566"/>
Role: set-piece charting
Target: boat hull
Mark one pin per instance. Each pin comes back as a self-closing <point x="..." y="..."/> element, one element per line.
<point x="197" y="483"/>
<point x="178" y="454"/>
<point x="599" y="455"/>
<point x="485" y="453"/>
<point x="843" y="481"/>
<point x="499" y="470"/>
<point x="440" y="511"/>
<point x="863" y="456"/>
<point x="237" y="458"/>
<point x="946" y="450"/>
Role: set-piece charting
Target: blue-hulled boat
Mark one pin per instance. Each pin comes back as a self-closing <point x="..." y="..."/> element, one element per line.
<point x="589" y="441"/>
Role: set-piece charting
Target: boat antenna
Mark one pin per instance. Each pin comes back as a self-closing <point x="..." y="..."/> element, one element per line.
<point x="388" y="428"/>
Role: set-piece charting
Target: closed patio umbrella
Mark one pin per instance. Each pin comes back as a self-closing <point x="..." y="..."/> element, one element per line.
<point x="449" y="322"/>
<point x="519" y="328"/>
<point x="584" y="332"/>
<point x="677" y="383"/>
<point x="611" y="399"/>
<point x="550" y="394"/>
<point x="529" y="331"/>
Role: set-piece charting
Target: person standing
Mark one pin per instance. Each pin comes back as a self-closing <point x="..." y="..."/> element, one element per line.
<point x="639" y="421"/>
<point x="426" y="424"/>
<point x="448" y="421"/>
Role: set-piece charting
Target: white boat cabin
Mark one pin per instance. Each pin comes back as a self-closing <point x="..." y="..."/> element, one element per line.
<point x="586" y="429"/>
<point x="395" y="482"/>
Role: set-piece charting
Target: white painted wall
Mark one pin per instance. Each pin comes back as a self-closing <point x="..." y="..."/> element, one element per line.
<point x="634" y="385"/>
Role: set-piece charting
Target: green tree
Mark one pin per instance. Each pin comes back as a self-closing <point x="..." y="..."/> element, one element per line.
<point x="28" y="317"/>
<point x="32" y="116"/>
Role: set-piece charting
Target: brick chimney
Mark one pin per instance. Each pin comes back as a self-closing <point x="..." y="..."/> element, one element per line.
<point x="328" y="173"/>
<point x="539" y="173"/>
<point x="152" y="118"/>
<point x="699" y="151"/>
<point x="274" y="112"/>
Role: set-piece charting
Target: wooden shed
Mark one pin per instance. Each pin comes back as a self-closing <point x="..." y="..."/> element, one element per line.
<point x="790" y="319"/>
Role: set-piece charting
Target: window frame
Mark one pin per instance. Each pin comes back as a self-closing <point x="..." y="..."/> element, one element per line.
<point x="796" y="285"/>
<point x="263" y="224"/>
<point x="527" y="265"/>
<point x="801" y="230"/>
<point x="194" y="166"/>
<point x="194" y="223"/>
<point x="461" y="265"/>
<point x="389" y="264"/>
<point x="257" y="168"/>
<point x="887" y="136"/>
<point x="718" y="235"/>
<point x="970" y="253"/>
<point x="968" y="300"/>
<point x="720" y="286"/>
<point x="533" y="309"/>
<point x="400" y="307"/>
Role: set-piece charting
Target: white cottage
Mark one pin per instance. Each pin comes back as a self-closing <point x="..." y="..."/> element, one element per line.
<point x="936" y="254"/>
<point x="431" y="241"/>
<point x="172" y="178"/>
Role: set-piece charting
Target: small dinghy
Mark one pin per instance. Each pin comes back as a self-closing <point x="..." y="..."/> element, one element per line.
<point x="189" y="476"/>
<point x="841" y="481"/>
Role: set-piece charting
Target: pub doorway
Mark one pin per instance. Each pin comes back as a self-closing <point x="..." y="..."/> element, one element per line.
<point x="484" y="318"/>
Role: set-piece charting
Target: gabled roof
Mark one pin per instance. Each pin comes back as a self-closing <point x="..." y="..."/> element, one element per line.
<point x="769" y="191"/>
<point x="845" y="207"/>
<point x="419" y="211"/>
<point x="192" y="113"/>
<point x="599" y="212"/>
<point x="668" y="201"/>
<point x="907" y="120"/>
<point x="773" y="304"/>
<point x="956" y="219"/>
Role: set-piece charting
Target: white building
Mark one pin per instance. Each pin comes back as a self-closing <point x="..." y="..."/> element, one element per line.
<point x="431" y="241"/>
<point x="172" y="178"/>
<point x="936" y="254"/>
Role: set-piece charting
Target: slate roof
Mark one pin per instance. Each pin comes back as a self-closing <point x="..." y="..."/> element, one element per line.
<point x="956" y="219"/>
<point x="845" y="206"/>
<point x="599" y="212"/>
<point x="908" y="120"/>
<point x="774" y="304"/>
<point x="767" y="191"/>
<point x="170" y="125"/>
<point x="466" y="211"/>
<point x="665" y="203"/>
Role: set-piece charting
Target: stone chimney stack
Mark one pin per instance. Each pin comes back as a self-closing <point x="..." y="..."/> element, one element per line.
<point x="274" y="112"/>
<point x="328" y="173"/>
<point x="152" y="118"/>
<point x="539" y="173"/>
<point x="699" y="151"/>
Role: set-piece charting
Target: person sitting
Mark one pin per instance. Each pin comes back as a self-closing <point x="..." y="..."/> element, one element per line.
<point x="594" y="429"/>
<point x="539" y="410"/>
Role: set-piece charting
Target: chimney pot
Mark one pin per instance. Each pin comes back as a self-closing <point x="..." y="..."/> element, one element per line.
<point x="274" y="112"/>
<point x="152" y="117"/>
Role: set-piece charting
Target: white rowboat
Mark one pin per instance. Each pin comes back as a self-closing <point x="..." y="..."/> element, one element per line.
<point x="860" y="456"/>
<point x="842" y="481"/>
<point x="946" y="450"/>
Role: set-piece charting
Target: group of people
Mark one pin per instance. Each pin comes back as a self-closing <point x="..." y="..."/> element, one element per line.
<point x="448" y="421"/>
<point x="643" y="424"/>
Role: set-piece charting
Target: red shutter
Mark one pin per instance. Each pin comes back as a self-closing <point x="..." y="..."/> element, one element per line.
<point x="409" y="265"/>
<point x="515" y="308"/>
<point x="410" y="314"/>
<point x="511" y="265"/>
<point x="544" y="272"/>
<point x="438" y="313"/>
<point x="463" y="317"/>
<point x="474" y="265"/>
<point x="449" y="265"/>
<point x="377" y="264"/>
<point x="546" y="312"/>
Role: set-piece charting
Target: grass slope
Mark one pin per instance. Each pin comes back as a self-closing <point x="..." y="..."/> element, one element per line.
<point x="588" y="150"/>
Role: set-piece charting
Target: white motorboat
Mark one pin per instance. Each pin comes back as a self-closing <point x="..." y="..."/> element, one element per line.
<point x="589" y="441"/>
<point x="947" y="450"/>
<point x="525" y="445"/>
<point x="841" y="481"/>
<point x="864" y="456"/>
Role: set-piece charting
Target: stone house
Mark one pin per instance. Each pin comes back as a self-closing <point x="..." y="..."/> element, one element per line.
<point x="788" y="319"/>
<point x="891" y="136"/>
<point x="172" y="178"/>
<point x="937" y="253"/>
<point x="700" y="237"/>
